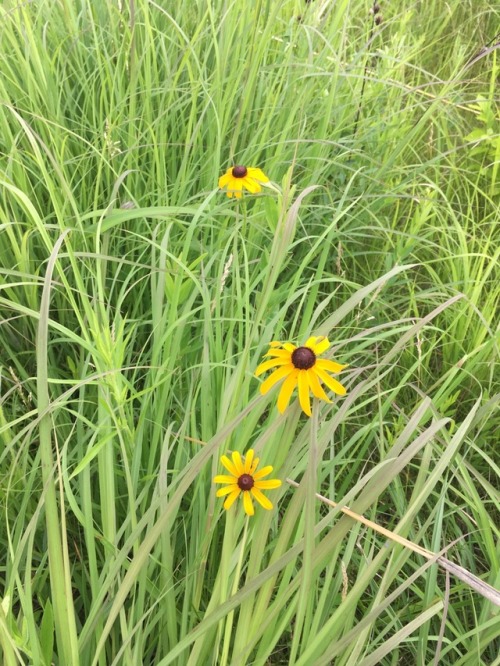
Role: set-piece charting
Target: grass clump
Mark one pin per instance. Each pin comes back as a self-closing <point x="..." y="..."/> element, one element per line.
<point x="137" y="301"/>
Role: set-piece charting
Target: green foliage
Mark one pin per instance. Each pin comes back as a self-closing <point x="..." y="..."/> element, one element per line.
<point x="136" y="301"/>
<point x="487" y="140"/>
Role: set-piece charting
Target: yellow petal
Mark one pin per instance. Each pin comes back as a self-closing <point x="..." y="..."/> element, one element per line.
<point x="330" y="366"/>
<point x="230" y="499"/>
<point x="303" y="384"/>
<point x="316" y="387"/>
<point x="224" y="180"/>
<point x="252" y="185"/>
<point x="263" y="472"/>
<point x="332" y="383"/>
<point x="223" y="478"/>
<point x="276" y="377"/>
<point x="310" y="342"/>
<point x="255" y="464"/>
<point x="258" y="174"/>
<point x="248" y="461"/>
<point x="286" y="390"/>
<point x="229" y="466"/>
<point x="234" y="187"/>
<point x="228" y="489"/>
<point x="261" y="499"/>
<point x="238" y="463"/>
<point x="248" y="504"/>
<point x="279" y="353"/>
<point x="268" y="485"/>
<point x="272" y="363"/>
<point x="289" y="347"/>
<point x="320" y="346"/>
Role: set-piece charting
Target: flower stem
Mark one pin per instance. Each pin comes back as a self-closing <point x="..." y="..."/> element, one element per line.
<point x="304" y="607"/>
<point x="365" y="75"/>
<point x="244" y="222"/>
<point x="230" y="617"/>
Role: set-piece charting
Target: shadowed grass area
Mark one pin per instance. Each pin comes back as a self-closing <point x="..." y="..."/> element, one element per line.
<point x="136" y="301"/>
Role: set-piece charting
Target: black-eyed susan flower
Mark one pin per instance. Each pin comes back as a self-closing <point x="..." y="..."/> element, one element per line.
<point x="244" y="479"/>
<point x="301" y="367"/>
<point x="238" y="177"/>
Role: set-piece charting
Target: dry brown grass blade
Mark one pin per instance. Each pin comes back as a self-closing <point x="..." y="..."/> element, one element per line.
<point x="484" y="589"/>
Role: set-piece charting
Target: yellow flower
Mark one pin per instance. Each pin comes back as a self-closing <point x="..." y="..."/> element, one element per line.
<point x="299" y="366"/>
<point x="238" y="177"/>
<point x="244" y="479"/>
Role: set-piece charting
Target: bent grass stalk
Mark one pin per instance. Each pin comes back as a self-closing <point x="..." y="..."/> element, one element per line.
<point x="60" y="577"/>
<point x="484" y="589"/>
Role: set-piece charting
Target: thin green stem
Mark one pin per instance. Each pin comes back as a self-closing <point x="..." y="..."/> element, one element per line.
<point x="237" y="575"/>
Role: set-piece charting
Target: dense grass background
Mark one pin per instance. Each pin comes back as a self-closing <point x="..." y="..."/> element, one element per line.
<point x="136" y="301"/>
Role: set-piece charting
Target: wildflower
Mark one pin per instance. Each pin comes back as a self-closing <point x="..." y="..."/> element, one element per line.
<point x="238" y="177"/>
<point x="244" y="479"/>
<point x="299" y="366"/>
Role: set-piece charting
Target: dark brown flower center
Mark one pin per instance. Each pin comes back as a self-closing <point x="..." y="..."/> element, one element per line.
<point x="245" y="482"/>
<point x="239" y="171"/>
<point x="303" y="358"/>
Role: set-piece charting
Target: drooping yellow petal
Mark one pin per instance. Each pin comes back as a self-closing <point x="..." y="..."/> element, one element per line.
<point x="223" y="478"/>
<point x="229" y="466"/>
<point x="251" y="184"/>
<point x="228" y="489"/>
<point x="258" y="174"/>
<point x="330" y="366"/>
<point x="261" y="499"/>
<point x="279" y="353"/>
<point x="263" y="472"/>
<point x="320" y="345"/>
<point x="332" y="383"/>
<point x="225" y="179"/>
<point x="316" y="387"/>
<point x="303" y="385"/>
<point x="248" y="504"/>
<point x="276" y="376"/>
<point x="286" y="390"/>
<point x="238" y="463"/>
<point x="247" y="468"/>
<point x="234" y="187"/>
<point x="268" y="485"/>
<point x="231" y="498"/>
<point x="272" y="363"/>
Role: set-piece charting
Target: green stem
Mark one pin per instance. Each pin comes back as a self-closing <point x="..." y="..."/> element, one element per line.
<point x="304" y="608"/>
<point x="229" y="621"/>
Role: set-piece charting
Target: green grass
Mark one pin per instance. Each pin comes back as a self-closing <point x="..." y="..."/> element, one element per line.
<point x="136" y="301"/>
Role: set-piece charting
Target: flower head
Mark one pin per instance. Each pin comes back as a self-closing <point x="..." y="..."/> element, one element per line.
<point x="244" y="479"/>
<point x="300" y="366"/>
<point x="238" y="177"/>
